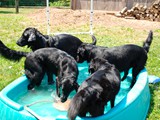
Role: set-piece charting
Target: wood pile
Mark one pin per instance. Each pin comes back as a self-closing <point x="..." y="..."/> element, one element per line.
<point x="142" y="12"/>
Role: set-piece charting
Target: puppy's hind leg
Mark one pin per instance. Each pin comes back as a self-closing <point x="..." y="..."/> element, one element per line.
<point x="112" y="102"/>
<point x="135" y="71"/>
<point x="97" y="110"/>
<point x="83" y="113"/>
<point x="50" y="77"/>
<point x="39" y="78"/>
<point x="125" y="75"/>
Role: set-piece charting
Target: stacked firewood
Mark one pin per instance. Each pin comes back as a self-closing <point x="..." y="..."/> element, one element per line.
<point x="142" y="12"/>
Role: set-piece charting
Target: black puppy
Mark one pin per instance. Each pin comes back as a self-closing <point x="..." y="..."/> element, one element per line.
<point x="36" y="40"/>
<point x="32" y="38"/>
<point x="55" y="61"/>
<point x="123" y="57"/>
<point x="50" y="60"/>
<point x="94" y="93"/>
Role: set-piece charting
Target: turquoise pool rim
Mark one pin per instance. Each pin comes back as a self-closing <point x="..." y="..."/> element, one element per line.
<point x="134" y="106"/>
<point x="5" y="93"/>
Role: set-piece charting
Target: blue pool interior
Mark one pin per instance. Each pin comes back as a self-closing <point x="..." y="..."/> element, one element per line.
<point x="43" y="96"/>
<point x="46" y="92"/>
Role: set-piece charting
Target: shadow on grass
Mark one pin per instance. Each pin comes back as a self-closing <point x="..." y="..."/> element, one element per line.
<point x="7" y="12"/>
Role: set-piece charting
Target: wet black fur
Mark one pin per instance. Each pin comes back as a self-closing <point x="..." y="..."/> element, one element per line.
<point x="94" y="93"/>
<point x="123" y="57"/>
<point x="52" y="61"/>
<point x="32" y="38"/>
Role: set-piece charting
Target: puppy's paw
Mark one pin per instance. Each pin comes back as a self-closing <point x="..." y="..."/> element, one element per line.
<point x="30" y="87"/>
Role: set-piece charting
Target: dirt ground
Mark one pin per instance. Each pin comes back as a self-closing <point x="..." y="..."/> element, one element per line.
<point x="68" y="17"/>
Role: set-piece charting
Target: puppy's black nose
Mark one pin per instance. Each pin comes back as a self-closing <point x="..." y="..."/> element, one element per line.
<point x="17" y="43"/>
<point x="63" y="99"/>
<point x="22" y="42"/>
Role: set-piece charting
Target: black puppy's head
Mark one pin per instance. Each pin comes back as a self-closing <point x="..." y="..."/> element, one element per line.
<point x="83" y="52"/>
<point x="28" y="37"/>
<point x="93" y="65"/>
<point x="67" y="87"/>
<point x="97" y="63"/>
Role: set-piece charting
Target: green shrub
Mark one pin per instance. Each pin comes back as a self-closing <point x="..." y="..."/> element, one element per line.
<point x="59" y="3"/>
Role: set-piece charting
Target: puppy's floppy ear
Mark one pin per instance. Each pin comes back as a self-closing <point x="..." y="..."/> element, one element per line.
<point x="32" y="37"/>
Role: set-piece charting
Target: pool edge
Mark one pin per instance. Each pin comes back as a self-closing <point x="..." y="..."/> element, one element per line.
<point x="129" y="99"/>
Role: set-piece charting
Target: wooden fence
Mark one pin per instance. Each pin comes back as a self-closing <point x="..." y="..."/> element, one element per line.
<point x="110" y="5"/>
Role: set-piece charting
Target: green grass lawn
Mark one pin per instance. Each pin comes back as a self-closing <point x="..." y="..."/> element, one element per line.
<point x="12" y="25"/>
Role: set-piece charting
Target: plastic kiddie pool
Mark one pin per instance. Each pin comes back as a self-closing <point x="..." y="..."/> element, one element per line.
<point x="130" y="104"/>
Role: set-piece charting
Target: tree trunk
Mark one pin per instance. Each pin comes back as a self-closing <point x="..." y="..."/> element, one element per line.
<point x="17" y="6"/>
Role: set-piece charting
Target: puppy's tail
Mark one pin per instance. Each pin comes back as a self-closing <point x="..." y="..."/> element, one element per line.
<point x="11" y="54"/>
<point x="79" y="103"/>
<point x="147" y="43"/>
<point x="94" y="40"/>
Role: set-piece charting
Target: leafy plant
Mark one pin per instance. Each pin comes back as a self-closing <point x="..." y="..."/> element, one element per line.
<point x="59" y="3"/>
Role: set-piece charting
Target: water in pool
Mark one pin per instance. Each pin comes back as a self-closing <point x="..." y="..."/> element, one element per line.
<point x="43" y="96"/>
